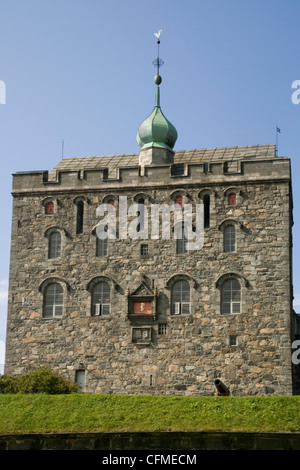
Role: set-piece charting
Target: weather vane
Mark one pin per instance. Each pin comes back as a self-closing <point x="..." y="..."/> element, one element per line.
<point x="158" y="62"/>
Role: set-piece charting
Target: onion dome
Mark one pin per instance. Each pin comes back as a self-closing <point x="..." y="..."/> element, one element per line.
<point x="156" y="130"/>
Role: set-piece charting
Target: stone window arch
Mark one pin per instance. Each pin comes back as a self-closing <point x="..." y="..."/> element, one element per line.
<point x="232" y="288"/>
<point x="180" y="286"/>
<point x="181" y="298"/>
<point x="53" y="300"/>
<point x="231" y="237"/>
<point x="55" y="239"/>
<point x="100" y="289"/>
<point x="141" y="198"/>
<point x="101" y="299"/>
<point x="112" y="201"/>
<point x="180" y="197"/>
<point x="54" y="297"/>
<point x="232" y="196"/>
<point x="231" y="297"/>
<point x="50" y="206"/>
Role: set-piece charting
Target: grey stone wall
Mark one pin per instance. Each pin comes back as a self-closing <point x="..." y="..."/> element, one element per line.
<point x="195" y="348"/>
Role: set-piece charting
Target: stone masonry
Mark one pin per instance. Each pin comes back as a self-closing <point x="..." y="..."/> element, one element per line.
<point x="157" y="352"/>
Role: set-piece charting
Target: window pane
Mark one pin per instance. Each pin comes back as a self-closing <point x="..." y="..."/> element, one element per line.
<point x="144" y="250"/>
<point x="55" y="245"/>
<point x="229" y="239"/>
<point x="231" y="297"/>
<point x="53" y="300"/>
<point x="79" y="221"/>
<point x="181" y="240"/>
<point x="101" y="246"/>
<point x="181" y="297"/>
<point x="101" y="295"/>
<point x="206" y="202"/>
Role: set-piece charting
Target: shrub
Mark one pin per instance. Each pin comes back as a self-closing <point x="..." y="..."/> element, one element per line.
<point x="41" y="380"/>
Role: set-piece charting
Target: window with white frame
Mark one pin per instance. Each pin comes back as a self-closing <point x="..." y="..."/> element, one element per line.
<point x="181" y="298"/>
<point x="101" y="299"/>
<point x="231" y="297"/>
<point x="53" y="301"/>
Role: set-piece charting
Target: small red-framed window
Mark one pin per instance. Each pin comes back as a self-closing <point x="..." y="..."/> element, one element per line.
<point x="49" y="209"/>
<point x="178" y="200"/>
<point x="232" y="199"/>
<point x="111" y="204"/>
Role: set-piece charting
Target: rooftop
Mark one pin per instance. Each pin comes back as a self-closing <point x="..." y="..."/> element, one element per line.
<point x="184" y="156"/>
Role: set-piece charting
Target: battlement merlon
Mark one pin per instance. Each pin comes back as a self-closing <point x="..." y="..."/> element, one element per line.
<point x="189" y="168"/>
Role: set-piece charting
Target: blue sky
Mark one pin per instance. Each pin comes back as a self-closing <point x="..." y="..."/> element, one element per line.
<point x="82" y="71"/>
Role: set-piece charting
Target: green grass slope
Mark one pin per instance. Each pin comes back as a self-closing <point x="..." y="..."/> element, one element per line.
<point x="40" y="413"/>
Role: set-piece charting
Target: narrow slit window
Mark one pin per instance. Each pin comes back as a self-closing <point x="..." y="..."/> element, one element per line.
<point x="54" y="245"/>
<point x="79" y="222"/>
<point x="182" y="244"/>
<point x="229" y="239"/>
<point x="206" y="202"/>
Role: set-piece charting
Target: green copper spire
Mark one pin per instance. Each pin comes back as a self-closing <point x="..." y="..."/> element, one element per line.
<point x="156" y="130"/>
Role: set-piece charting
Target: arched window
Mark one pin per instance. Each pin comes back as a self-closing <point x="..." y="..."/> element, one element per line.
<point x="54" y="245"/>
<point x="182" y="244"/>
<point x="53" y="301"/>
<point x="79" y="219"/>
<point x="141" y="225"/>
<point x="206" y="202"/>
<point x="111" y="204"/>
<point x="229" y="239"/>
<point x="49" y="208"/>
<point x="101" y="299"/>
<point x="181" y="298"/>
<point x="232" y="199"/>
<point x="231" y="297"/>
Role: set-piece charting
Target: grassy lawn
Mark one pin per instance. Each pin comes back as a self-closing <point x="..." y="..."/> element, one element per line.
<point x="39" y="413"/>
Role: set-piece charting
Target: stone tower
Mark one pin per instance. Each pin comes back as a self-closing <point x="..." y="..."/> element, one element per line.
<point x="138" y="312"/>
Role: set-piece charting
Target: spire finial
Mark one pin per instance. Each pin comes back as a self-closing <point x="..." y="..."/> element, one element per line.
<point x="158" y="62"/>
